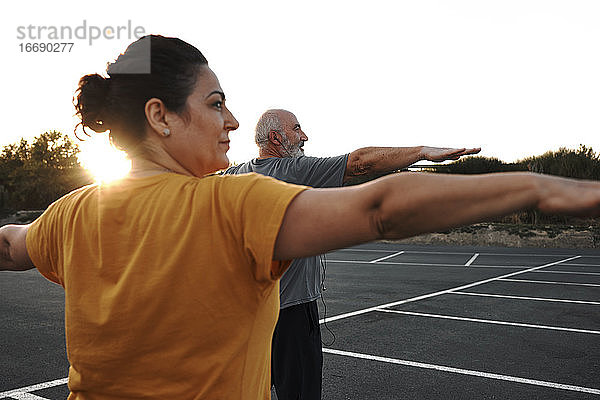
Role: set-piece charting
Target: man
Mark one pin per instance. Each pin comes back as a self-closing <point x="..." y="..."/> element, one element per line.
<point x="297" y="358"/>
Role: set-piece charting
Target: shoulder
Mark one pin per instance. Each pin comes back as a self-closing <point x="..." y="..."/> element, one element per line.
<point x="72" y="199"/>
<point x="252" y="182"/>
<point x="318" y="161"/>
<point x="65" y="207"/>
<point x="321" y="171"/>
<point x="242" y="181"/>
<point x="239" y="168"/>
<point x="251" y="192"/>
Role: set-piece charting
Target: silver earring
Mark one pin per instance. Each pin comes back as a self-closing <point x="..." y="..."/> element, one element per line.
<point x="166" y="132"/>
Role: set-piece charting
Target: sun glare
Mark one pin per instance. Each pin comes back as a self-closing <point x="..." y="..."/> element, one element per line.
<point x="102" y="160"/>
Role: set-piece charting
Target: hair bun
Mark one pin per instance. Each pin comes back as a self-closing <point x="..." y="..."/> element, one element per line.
<point x="90" y="101"/>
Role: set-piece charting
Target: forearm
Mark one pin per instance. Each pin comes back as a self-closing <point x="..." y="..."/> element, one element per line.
<point x="13" y="252"/>
<point x="397" y="206"/>
<point x="408" y="204"/>
<point x="377" y="160"/>
<point x="411" y="204"/>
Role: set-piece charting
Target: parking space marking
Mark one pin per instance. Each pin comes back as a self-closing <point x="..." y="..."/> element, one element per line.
<point x="584" y="265"/>
<point x="386" y="257"/>
<point x="472" y="259"/>
<point x="551" y="282"/>
<point x="466" y="253"/>
<point x="426" y="296"/>
<point x="462" y="371"/>
<point x="26" y="396"/>
<point x="363" y="250"/>
<point x="33" y="388"/>
<point x="527" y="298"/>
<point x="490" y="321"/>
<point x="459" y="265"/>
<point x="419" y="264"/>
<point x="568" y="272"/>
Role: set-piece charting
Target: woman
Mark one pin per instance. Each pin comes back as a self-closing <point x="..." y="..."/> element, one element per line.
<point x="170" y="284"/>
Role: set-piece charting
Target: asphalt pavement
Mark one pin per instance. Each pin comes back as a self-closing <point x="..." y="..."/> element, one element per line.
<point x="410" y="322"/>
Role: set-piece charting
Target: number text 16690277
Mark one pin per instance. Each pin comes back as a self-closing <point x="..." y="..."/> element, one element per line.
<point x="50" y="47"/>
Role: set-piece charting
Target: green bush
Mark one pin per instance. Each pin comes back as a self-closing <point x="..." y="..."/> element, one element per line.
<point x="582" y="163"/>
<point x="478" y="165"/>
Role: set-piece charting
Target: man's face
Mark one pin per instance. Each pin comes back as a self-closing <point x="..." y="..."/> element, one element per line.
<point x="293" y="136"/>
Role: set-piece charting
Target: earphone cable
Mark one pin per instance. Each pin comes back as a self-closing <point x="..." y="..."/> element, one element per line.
<point x="323" y="261"/>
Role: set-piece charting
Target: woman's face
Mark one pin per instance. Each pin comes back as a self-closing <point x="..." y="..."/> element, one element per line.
<point x="199" y="139"/>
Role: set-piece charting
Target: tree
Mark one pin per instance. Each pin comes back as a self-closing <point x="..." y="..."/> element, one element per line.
<point x="34" y="175"/>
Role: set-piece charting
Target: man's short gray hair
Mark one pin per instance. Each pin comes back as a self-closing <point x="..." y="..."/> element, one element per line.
<point x="267" y="122"/>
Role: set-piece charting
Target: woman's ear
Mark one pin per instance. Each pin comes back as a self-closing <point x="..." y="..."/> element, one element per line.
<point x="156" y="116"/>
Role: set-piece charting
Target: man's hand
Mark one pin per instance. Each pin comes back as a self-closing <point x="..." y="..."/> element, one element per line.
<point x="439" y="154"/>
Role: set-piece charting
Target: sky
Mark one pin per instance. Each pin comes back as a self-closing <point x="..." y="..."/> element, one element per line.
<point x="517" y="78"/>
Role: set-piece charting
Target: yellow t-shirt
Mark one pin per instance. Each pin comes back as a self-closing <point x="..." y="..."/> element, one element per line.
<point x="170" y="287"/>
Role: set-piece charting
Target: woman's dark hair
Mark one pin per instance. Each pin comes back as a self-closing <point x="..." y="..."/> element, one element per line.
<point x="152" y="66"/>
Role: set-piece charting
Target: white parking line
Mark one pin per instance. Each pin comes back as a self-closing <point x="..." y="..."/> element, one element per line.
<point x="33" y="388"/>
<point x="583" y="265"/>
<point x="491" y="321"/>
<point x="551" y="282"/>
<point x="472" y="259"/>
<point x="459" y="266"/>
<point x="363" y="250"/>
<point x="426" y="296"/>
<point x="568" y="272"/>
<point x="419" y="264"/>
<point x="26" y="396"/>
<point x="526" y="298"/>
<point x="386" y="257"/>
<point x="516" y="379"/>
<point x="465" y="253"/>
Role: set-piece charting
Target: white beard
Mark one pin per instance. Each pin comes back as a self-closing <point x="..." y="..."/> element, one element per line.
<point x="292" y="151"/>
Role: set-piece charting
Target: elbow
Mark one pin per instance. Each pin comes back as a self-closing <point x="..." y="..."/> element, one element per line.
<point x="394" y="215"/>
<point x="380" y="226"/>
<point x="390" y="225"/>
<point x="384" y="217"/>
<point x="359" y="163"/>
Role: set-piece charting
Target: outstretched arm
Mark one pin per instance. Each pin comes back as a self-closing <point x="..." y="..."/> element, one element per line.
<point x="13" y="250"/>
<point x="373" y="161"/>
<point x="408" y="204"/>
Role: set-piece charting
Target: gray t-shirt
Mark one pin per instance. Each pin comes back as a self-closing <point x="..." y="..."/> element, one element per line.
<point x="301" y="283"/>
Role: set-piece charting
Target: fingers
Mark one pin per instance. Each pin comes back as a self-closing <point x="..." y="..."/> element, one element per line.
<point x="463" y="151"/>
<point x="438" y="154"/>
<point x="447" y="152"/>
<point x="474" y="150"/>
